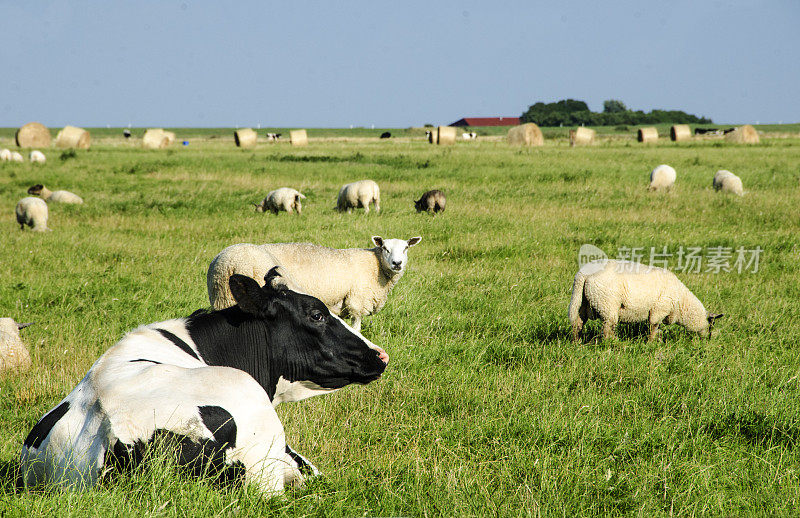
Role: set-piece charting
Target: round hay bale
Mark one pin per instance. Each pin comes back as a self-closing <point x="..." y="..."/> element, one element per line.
<point x="298" y="137"/>
<point x="33" y="134"/>
<point x="245" y="138"/>
<point x="526" y="135"/>
<point x="170" y="137"/>
<point x="72" y="137"/>
<point x="647" y="135"/>
<point x="581" y="136"/>
<point x="680" y="132"/>
<point x="743" y="135"/>
<point x="446" y="135"/>
<point x="155" y="138"/>
<point x="433" y="136"/>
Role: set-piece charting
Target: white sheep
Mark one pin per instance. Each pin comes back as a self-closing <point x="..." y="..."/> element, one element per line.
<point x="32" y="212"/>
<point x="13" y="353"/>
<point x="37" y="156"/>
<point x="359" y="194"/>
<point x="16" y="157"/>
<point x="625" y="291"/>
<point x="285" y="198"/>
<point x="352" y="282"/>
<point x="5" y="155"/>
<point x="662" y="177"/>
<point x="726" y="181"/>
<point x="56" y="196"/>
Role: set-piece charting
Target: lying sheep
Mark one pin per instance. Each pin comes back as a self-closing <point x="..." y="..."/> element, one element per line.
<point x="432" y="201"/>
<point x="662" y="177"/>
<point x="37" y="157"/>
<point x="5" y="155"/>
<point x="285" y="198"/>
<point x="32" y="212"/>
<point x="726" y="181"/>
<point x="16" y="157"/>
<point x="624" y="291"/>
<point x="359" y="194"/>
<point x="13" y="353"/>
<point x="352" y="282"/>
<point x="56" y="196"/>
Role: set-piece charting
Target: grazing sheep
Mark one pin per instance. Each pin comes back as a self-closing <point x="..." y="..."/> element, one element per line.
<point x="726" y="181"/>
<point x="37" y="156"/>
<point x="353" y="282"/>
<point x="625" y="291"/>
<point x="5" y="155"/>
<point x="56" y="196"/>
<point x="662" y="177"/>
<point x="16" y="157"/>
<point x="13" y="353"/>
<point x="32" y="212"/>
<point x="285" y="198"/>
<point x="359" y="194"/>
<point x="432" y="201"/>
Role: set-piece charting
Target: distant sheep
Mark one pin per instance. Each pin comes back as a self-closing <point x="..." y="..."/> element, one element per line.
<point x="625" y="291"/>
<point x="37" y="157"/>
<point x="13" y="353"/>
<point x="432" y="201"/>
<point x="32" y="212"/>
<point x="54" y="196"/>
<point x="16" y="157"/>
<point x="283" y="199"/>
<point x="359" y="194"/>
<point x="726" y="181"/>
<point x="5" y="155"/>
<point x="352" y="282"/>
<point x="662" y="177"/>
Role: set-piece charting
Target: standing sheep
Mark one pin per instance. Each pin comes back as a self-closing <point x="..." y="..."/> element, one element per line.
<point x="432" y="201"/>
<point x="285" y="198"/>
<point x="56" y="196"/>
<point x="352" y="282"/>
<point x="625" y="291"/>
<point x="37" y="156"/>
<point x="13" y="353"/>
<point x="16" y="157"/>
<point x="726" y="181"/>
<point x="32" y="212"/>
<point x="359" y="194"/>
<point x="5" y="155"/>
<point x="662" y="177"/>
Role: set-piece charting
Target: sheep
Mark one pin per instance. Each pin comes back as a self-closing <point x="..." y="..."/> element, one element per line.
<point x="5" y="155"/>
<point x="285" y="198"/>
<point x="13" y="353"/>
<point x="432" y="201"/>
<point x="16" y="157"/>
<point x="352" y="282"/>
<point x="726" y="181"/>
<point x="662" y="177"/>
<point x="625" y="291"/>
<point x="32" y="212"/>
<point x="37" y="156"/>
<point x="56" y="196"/>
<point x="359" y="194"/>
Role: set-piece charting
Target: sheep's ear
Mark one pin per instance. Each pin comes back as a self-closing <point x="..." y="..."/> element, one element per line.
<point x="712" y="318"/>
<point x="414" y="240"/>
<point x="378" y="240"/>
<point x="23" y="326"/>
<point x="247" y="293"/>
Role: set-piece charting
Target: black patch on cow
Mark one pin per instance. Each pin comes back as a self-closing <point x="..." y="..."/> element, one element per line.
<point x="220" y="423"/>
<point x="143" y="360"/>
<point x="180" y="343"/>
<point x="304" y="467"/>
<point x="42" y="429"/>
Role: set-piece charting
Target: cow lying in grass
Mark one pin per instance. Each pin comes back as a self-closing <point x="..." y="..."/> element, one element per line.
<point x="209" y="382"/>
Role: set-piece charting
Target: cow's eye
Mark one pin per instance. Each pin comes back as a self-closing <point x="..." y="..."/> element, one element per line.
<point x="317" y="316"/>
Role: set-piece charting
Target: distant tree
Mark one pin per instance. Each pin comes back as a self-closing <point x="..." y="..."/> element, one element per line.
<point x="614" y="106"/>
<point x="569" y="112"/>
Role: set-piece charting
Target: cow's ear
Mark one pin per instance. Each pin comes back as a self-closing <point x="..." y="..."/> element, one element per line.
<point x="247" y="293"/>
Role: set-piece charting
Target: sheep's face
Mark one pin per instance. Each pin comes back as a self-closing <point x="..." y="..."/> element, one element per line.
<point x="394" y="252"/>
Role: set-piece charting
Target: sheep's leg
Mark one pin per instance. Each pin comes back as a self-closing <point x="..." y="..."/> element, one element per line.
<point x="377" y="205"/>
<point x="653" y="331"/>
<point x="364" y="202"/>
<point x="356" y="323"/>
<point x="655" y="319"/>
<point x="577" y="326"/>
<point x="609" y="326"/>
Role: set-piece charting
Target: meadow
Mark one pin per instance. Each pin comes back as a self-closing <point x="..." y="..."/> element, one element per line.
<point x="487" y="407"/>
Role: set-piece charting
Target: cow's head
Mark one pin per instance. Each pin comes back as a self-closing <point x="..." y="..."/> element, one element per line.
<point x="310" y="350"/>
<point x="394" y="253"/>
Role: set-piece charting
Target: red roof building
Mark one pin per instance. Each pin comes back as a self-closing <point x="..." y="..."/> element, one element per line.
<point x="487" y="121"/>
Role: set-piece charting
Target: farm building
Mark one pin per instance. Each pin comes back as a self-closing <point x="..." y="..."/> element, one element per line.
<point x="486" y="121"/>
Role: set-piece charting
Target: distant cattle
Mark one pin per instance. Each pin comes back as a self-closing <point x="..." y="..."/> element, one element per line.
<point x="386" y="134"/>
<point x="469" y="136"/>
<point x="712" y="131"/>
<point x="273" y="136"/>
<point x="126" y="133"/>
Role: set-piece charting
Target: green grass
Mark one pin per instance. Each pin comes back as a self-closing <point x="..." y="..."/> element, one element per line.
<point x="487" y="407"/>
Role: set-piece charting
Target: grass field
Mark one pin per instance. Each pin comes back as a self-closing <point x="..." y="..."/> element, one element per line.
<point x="487" y="407"/>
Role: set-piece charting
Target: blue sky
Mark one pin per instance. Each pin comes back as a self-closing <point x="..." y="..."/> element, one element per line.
<point x="399" y="64"/>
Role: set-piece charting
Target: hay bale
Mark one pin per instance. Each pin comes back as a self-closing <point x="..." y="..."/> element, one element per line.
<point x="298" y="137"/>
<point x="245" y="138"/>
<point x="72" y="137"/>
<point x="581" y="136"/>
<point x="743" y="135"/>
<point x="526" y="135"/>
<point x="170" y="137"/>
<point x="155" y="138"/>
<point x="433" y="135"/>
<point x="647" y="135"/>
<point x="680" y="132"/>
<point x="33" y="134"/>
<point x="446" y="135"/>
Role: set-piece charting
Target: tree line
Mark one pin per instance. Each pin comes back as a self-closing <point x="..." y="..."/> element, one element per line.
<point x="569" y="112"/>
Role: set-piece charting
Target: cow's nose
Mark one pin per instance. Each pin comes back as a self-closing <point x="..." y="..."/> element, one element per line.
<point x="384" y="356"/>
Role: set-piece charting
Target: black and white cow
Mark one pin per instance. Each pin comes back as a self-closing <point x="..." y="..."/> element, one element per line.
<point x="209" y="381"/>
